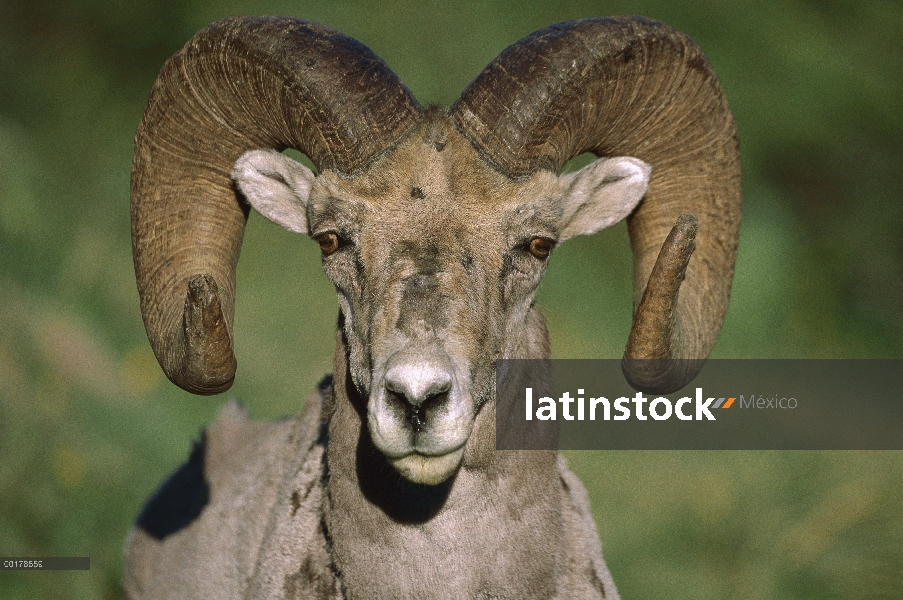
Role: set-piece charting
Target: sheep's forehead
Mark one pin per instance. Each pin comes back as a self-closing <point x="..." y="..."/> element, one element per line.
<point x="435" y="187"/>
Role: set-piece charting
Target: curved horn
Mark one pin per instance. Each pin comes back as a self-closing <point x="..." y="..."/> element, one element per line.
<point x="239" y="84"/>
<point x="629" y="86"/>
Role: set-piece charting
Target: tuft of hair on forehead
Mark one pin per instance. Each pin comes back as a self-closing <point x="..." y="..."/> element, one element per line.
<point x="434" y="129"/>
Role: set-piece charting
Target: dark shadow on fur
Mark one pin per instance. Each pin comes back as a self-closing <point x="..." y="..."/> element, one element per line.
<point x="180" y="500"/>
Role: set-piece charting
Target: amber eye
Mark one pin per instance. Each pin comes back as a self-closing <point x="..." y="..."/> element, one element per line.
<point x="329" y="242"/>
<point x="541" y="247"/>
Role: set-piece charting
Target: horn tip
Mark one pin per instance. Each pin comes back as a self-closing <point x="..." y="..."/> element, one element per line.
<point x="209" y="363"/>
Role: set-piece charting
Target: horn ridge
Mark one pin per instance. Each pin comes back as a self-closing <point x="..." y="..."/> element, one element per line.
<point x="537" y="104"/>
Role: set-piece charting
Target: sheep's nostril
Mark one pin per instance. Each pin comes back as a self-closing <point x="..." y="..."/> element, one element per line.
<point x="434" y="401"/>
<point x="397" y="405"/>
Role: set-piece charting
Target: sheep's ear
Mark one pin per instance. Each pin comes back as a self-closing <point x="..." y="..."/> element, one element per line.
<point x="276" y="186"/>
<point x="601" y="194"/>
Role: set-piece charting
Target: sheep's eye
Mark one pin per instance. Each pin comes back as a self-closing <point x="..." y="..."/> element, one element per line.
<point x="329" y="242"/>
<point x="541" y="247"/>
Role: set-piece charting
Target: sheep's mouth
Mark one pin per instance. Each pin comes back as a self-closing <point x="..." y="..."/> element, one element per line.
<point x="426" y="453"/>
<point x="427" y="469"/>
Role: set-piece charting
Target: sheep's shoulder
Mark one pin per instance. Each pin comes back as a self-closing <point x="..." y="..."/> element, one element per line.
<point x="219" y="526"/>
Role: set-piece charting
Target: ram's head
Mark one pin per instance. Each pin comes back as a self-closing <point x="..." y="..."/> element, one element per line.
<point x="435" y="225"/>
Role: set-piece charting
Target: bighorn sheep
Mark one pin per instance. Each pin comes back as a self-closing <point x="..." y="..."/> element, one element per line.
<point x="435" y="226"/>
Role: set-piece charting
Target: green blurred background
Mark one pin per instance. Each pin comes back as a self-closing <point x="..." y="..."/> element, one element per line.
<point x="89" y="426"/>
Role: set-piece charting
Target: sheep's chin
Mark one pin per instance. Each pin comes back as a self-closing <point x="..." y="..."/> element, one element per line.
<point x="428" y="470"/>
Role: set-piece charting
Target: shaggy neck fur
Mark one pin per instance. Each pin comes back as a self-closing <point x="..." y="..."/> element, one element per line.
<point x="494" y="530"/>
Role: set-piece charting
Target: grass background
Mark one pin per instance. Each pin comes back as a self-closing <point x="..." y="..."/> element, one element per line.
<point x="89" y="426"/>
